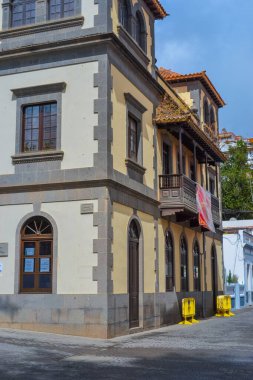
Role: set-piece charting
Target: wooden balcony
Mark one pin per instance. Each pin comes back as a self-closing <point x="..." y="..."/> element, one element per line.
<point x="209" y="131"/>
<point x="178" y="197"/>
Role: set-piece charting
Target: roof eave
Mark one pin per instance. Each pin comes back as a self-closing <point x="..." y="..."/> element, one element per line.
<point x="216" y="151"/>
<point x="157" y="9"/>
<point x="202" y="77"/>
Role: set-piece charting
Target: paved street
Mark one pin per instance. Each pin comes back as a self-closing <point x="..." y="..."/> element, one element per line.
<point x="213" y="349"/>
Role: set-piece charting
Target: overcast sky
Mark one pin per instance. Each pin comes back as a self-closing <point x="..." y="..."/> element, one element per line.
<point x="216" y="36"/>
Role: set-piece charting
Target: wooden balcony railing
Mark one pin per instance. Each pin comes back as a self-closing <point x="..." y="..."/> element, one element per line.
<point x="178" y="193"/>
<point x="171" y="181"/>
<point x="210" y="132"/>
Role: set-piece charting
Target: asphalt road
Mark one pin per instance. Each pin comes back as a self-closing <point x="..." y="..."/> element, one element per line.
<point x="217" y="348"/>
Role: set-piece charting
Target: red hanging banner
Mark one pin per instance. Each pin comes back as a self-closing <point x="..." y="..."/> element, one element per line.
<point x="204" y="205"/>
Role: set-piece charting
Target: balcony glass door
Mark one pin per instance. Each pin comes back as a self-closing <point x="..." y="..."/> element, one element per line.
<point x="167" y="159"/>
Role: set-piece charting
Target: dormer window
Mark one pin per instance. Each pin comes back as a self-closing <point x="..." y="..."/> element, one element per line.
<point x="140" y="31"/>
<point x="206" y="112"/>
<point x="124" y="15"/>
<point x="22" y="12"/>
<point x="61" y="9"/>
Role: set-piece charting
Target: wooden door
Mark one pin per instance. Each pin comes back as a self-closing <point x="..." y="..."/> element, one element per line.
<point x="134" y="284"/>
<point x="36" y="261"/>
<point x="167" y="164"/>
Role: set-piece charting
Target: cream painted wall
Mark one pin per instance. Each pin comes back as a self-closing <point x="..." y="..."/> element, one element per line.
<point x="75" y="247"/>
<point x="219" y="253"/>
<point x="120" y="219"/>
<point x="89" y="11"/>
<point x="218" y="246"/>
<point x="122" y="85"/>
<point x="75" y="258"/>
<point x="120" y="222"/>
<point x="78" y="118"/>
<point x="162" y="227"/>
<point x="186" y="96"/>
<point x="148" y="20"/>
<point x="148" y="229"/>
<point x="10" y="217"/>
<point x="176" y="231"/>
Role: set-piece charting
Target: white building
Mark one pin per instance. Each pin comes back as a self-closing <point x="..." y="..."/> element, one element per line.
<point x="229" y="139"/>
<point x="238" y="253"/>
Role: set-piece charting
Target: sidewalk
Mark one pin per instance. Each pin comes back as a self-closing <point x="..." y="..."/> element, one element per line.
<point x="216" y="348"/>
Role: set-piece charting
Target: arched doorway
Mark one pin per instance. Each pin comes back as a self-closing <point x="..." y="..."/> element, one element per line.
<point x="36" y="256"/>
<point x="133" y="273"/>
<point x="214" y="275"/>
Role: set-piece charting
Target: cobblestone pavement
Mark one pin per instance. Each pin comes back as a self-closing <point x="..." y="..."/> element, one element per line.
<point x="216" y="348"/>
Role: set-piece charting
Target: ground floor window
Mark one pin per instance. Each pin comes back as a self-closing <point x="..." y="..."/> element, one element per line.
<point x="184" y="264"/>
<point x="196" y="266"/>
<point x="169" y="261"/>
<point x="36" y="256"/>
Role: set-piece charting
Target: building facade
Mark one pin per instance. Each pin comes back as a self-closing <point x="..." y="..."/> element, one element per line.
<point x="238" y="255"/>
<point x="229" y="139"/>
<point x="99" y="163"/>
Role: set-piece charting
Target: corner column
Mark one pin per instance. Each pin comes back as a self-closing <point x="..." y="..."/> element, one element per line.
<point x="6" y="16"/>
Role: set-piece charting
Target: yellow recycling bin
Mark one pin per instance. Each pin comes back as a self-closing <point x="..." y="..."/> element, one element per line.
<point x="188" y="311"/>
<point x="223" y="304"/>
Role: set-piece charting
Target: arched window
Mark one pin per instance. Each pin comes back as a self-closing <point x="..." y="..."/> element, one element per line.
<point x="22" y="12"/>
<point x="196" y="266"/>
<point x="133" y="273"/>
<point x="124" y="15"/>
<point x="61" y="8"/>
<point x="134" y="233"/>
<point x="206" y="112"/>
<point x="212" y="119"/>
<point x="140" y="32"/>
<point x="169" y="261"/>
<point x="184" y="264"/>
<point x="36" y="256"/>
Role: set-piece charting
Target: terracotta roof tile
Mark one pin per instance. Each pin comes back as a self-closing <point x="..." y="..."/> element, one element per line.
<point x="156" y="7"/>
<point x="173" y="77"/>
<point x="169" y="111"/>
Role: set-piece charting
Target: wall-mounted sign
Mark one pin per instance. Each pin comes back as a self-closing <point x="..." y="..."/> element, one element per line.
<point x="87" y="208"/>
<point x="29" y="266"/>
<point x="3" y="249"/>
<point x="29" y="251"/>
<point x="45" y="265"/>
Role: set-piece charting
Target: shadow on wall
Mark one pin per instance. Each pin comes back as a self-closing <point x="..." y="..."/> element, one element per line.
<point x="8" y="310"/>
